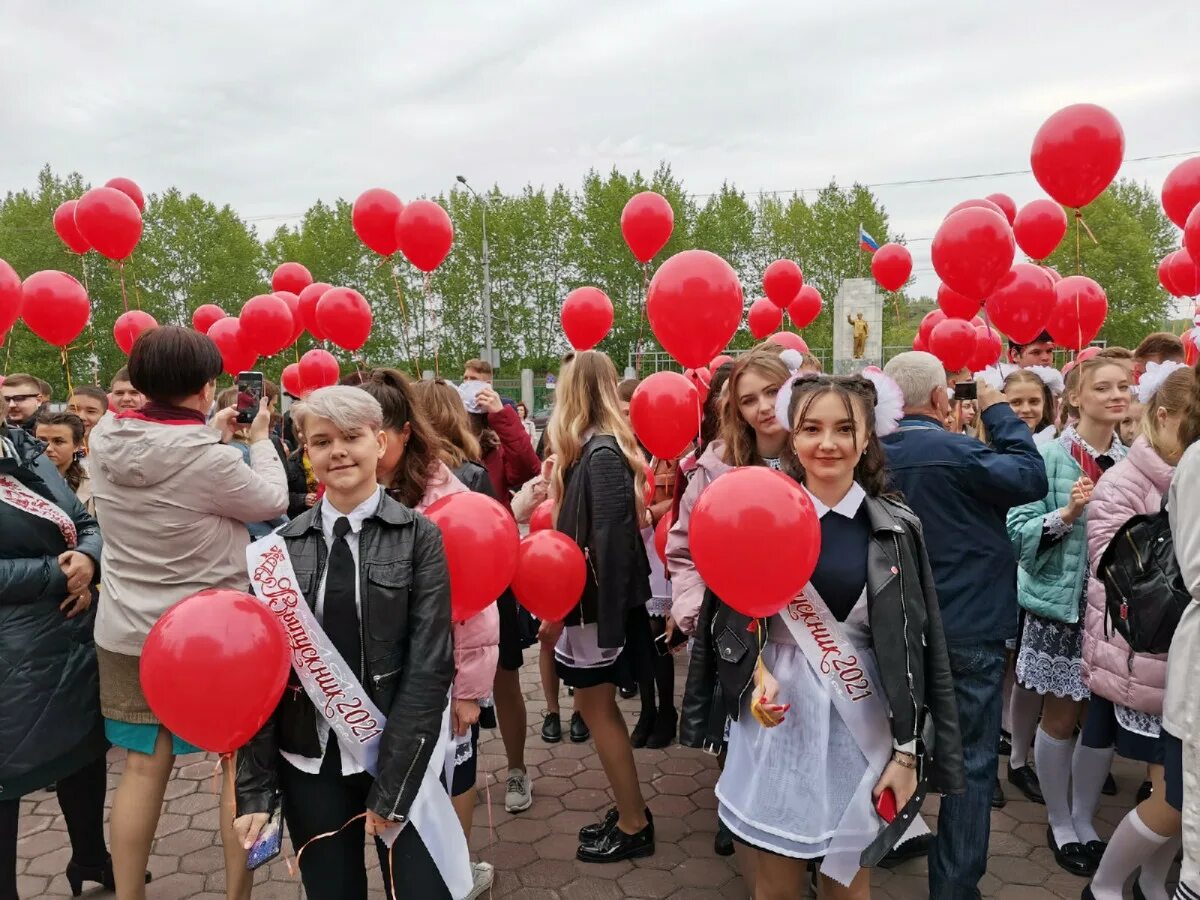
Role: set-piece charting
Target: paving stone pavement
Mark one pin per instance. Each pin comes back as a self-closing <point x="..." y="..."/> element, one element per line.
<point x="534" y="851"/>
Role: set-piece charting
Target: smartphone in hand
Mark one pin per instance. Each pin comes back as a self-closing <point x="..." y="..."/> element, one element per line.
<point x="885" y="805"/>
<point x="665" y="647"/>
<point x="270" y="840"/>
<point x="249" y="395"/>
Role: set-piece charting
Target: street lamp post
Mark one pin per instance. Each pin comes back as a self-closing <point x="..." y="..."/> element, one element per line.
<point x="487" y="279"/>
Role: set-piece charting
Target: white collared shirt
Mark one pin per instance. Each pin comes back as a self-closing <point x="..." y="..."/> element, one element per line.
<point x="847" y="506"/>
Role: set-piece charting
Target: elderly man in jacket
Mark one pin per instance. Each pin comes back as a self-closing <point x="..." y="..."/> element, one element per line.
<point x="962" y="490"/>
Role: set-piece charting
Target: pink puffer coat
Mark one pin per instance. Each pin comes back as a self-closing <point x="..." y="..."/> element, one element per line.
<point x="1134" y="486"/>
<point x="687" y="587"/>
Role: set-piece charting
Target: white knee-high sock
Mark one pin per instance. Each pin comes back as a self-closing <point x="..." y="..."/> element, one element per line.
<point x="1133" y="844"/>
<point x="1025" y="706"/>
<point x="1089" y="769"/>
<point x="1153" y="877"/>
<point x="1053" y="758"/>
<point x="1010" y="682"/>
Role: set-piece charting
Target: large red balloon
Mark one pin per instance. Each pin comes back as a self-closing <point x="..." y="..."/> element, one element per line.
<point x="1022" y="302"/>
<point x="1077" y="153"/>
<point x="646" y="224"/>
<point x="719" y="360"/>
<point x="763" y="318"/>
<point x="54" y="306"/>
<point x="373" y="218"/>
<point x="551" y="574"/>
<point x="953" y="342"/>
<point x="1181" y="191"/>
<point x="214" y="667"/>
<point x="665" y="413"/>
<point x="236" y="354"/>
<point x="694" y="305"/>
<point x="1039" y="228"/>
<point x="64" y="225"/>
<point x="972" y="250"/>
<point x="291" y="380"/>
<point x="955" y="305"/>
<point x="1052" y="274"/>
<point x="318" y="369"/>
<point x="266" y="324"/>
<point x="309" y="297"/>
<point x="1191" y="235"/>
<point x="1079" y="311"/>
<point x="1006" y="203"/>
<point x="661" y="530"/>
<point x="587" y="316"/>
<point x="10" y="297"/>
<point x="1164" y="275"/>
<point x="1183" y="273"/>
<point x="988" y="347"/>
<point x="345" y="317"/>
<point x="891" y="265"/>
<point x="782" y="282"/>
<point x="481" y="541"/>
<point x="129" y="188"/>
<point x="982" y="204"/>
<point x="205" y="315"/>
<point x="129" y="325"/>
<point x="291" y="276"/>
<point x="425" y="234"/>
<point x="930" y="321"/>
<point x="918" y="344"/>
<point x="109" y="221"/>
<point x="806" y="307"/>
<point x="789" y="340"/>
<point x="755" y="539"/>
<point x="542" y="517"/>
<point x="293" y="305"/>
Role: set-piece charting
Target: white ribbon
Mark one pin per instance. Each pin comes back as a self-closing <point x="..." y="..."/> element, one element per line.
<point x="353" y="717"/>
<point x="15" y="494"/>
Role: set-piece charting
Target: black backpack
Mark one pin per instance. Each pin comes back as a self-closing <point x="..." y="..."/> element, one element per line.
<point x="1144" y="589"/>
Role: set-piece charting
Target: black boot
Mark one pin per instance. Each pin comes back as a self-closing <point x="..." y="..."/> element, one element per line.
<point x="642" y="730"/>
<point x="665" y="729"/>
<point x="101" y="875"/>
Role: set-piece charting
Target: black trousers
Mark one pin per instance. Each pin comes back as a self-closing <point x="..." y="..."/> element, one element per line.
<point x="333" y="867"/>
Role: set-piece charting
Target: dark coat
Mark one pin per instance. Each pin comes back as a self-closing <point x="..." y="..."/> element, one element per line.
<point x="476" y="478"/>
<point x="513" y="462"/>
<point x="408" y="660"/>
<point x="297" y="484"/>
<point x="50" y="722"/>
<point x="906" y="633"/>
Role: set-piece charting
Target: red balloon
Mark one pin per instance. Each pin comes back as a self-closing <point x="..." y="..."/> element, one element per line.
<point x="54" y="306"/>
<point x="291" y="276"/>
<point x="955" y="305"/>
<point x="109" y="221"/>
<point x="1052" y="273"/>
<point x="1079" y="311"/>
<point x="982" y="204"/>
<point x="587" y="316"/>
<point x="481" y="543"/>
<point x="972" y="250"/>
<point x="1183" y="273"/>
<point x="1022" y="302"/>
<point x="1181" y="191"/>
<point x="551" y="574"/>
<point x="236" y="354"/>
<point x="308" y="307"/>
<point x="665" y="413"/>
<point x="694" y="305"/>
<point x="891" y="265"/>
<point x="764" y="317"/>
<point x="930" y="321"/>
<point x="214" y="667"/>
<point x="988" y="347"/>
<point x="64" y="225"/>
<point x="782" y="282"/>
<point x="345" y="317"/>
<point x="374" y="220"/>
<point x="129" y="188"/>
<point x="1164" y="275"/>
<point x="129" y="325"/>
<point x="291" y="380"/>
<point x="293" y="305"/>
<point x="1086" y="353"/>
<point x="700" y="378"/>
<point x="918" y="344"/>
<point x="660" y="535"/>
<point x="806" y="307"/>
<point x="755" y="539"/>
<point x="953" y="342"/>
<point x="266" y="324"/>
<point x="646" y="224"/>
<point x="1039" y="228"/>
<point x="719" y="360"/>
<point x="205" y="315"/>
<point x="977" y="322"/>
<point x="542" y="517"/>
<point x="1191" y="235"/>
<point x="1077" y="153"/>
<point x="318" y="369"/>
<point x="425" y="234"/>
<point x="10" y="298"/>
<point x="789" y="340"/>
<point x="1006" y="203"/>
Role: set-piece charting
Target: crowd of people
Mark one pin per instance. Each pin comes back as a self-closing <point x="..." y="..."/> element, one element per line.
<point x="958" y="612"/>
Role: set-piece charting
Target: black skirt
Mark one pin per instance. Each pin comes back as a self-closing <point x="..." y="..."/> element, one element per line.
<point x="634" y="661"/>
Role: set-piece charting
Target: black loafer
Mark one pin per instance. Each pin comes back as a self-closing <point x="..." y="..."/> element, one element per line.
<point x="915" y="848"/>
<point x="579" y="730"/>
<point x="723" y="841"/>
<point x="1072" y="857"/>
<point x="616" y="845"/>
<point x="590" y="833"/>
<point x="1025" y="780"/>
<point x="551" y="728"/>
<point x="1110" y="786"/>
<point x="628" y="693"/>
<point x="1144" y="792"/>
<point x="1095" y="849"/>
<point x="998" y="798"/>
<point x="1004" y="748"/>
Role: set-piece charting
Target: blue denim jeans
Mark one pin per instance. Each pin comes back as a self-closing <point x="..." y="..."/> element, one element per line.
<point x="959" y="854"/>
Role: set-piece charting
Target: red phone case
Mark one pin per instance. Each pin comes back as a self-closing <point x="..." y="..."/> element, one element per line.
<point x="886" y="805"/>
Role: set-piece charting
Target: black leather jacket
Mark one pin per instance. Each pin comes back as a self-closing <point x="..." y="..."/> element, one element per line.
<point x="906" y="633"/>
<point x="408" y="656"/>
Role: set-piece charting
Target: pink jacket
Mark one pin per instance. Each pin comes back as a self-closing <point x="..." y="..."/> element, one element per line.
<point x="687" y="587"/>
<point x="1134" y="486"/>
<point x="477" y="640"/>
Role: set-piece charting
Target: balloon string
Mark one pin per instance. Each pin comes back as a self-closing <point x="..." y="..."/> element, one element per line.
<point x="403" y="318"/>
<point x="137" y="295"/>
<point x="1079" y="217"/>
<point x="637" y="363"/>
<point x="66" y="364"/>
<point x="294" y="867"/>
<point x="437" y="344"/>
<point x="124" y="298"/>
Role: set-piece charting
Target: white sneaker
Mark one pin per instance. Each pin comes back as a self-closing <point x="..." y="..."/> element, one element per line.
<point x="483" y="874"/>
<point x="518" y="795"/>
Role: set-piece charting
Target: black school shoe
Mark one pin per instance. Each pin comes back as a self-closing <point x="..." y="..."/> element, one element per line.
<point x="1026" y="781"/>
<point x="590" y="833"/>
<point x="551" y="728"/>
<point x="615" y="845"/>
<point x="1144" y="792"/>
<point x="579" y="730"/>
<point x="1073" y="857"/>
<point x="1004" y="748"/>
<point x="998" y="798"/>
<point x="723" y="840"/>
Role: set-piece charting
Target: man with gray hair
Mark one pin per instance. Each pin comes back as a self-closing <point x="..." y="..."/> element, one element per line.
<point x="962" y="490"/>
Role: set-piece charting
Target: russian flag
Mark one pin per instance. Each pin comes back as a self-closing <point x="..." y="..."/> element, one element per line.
<point x="865" y="241"/>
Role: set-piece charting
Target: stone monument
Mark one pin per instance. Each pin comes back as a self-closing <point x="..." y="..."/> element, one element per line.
<point x="857" y="326"/>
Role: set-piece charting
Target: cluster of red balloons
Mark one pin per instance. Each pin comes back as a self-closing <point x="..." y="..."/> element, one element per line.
<point x="421" y="230"/>
<point x="106" y="219"/>
<point x="959" y="341"/>
<point x="1179" y="272"/>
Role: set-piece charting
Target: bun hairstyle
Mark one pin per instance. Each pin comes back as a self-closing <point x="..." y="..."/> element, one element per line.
<point x="395" y="395"/>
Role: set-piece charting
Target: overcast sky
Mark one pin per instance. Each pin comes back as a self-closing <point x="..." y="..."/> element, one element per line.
<point x="268" y="105"/>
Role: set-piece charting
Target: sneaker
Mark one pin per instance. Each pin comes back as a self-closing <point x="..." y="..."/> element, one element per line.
<point x="518" y="795"/>
<point x="551" y="728"/>
<point x="483" y="873"/>
<point x="579" y="730"/>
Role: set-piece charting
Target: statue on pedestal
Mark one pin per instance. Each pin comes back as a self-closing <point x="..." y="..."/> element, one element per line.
<point x="861" y="330"/>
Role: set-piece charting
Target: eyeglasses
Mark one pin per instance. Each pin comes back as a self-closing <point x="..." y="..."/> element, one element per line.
<point x="19" y="398"/>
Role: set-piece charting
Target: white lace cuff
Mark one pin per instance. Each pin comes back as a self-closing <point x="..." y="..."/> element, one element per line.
<point x="1054" y="526"/>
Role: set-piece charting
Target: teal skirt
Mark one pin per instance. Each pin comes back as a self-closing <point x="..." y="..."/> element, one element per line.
<point x="141" y="738"/>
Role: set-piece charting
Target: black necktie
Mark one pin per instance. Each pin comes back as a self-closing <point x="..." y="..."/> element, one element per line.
<point x="340" y="613"/>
